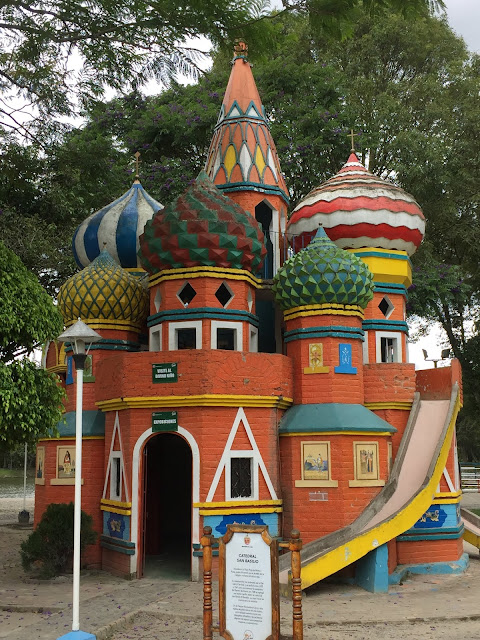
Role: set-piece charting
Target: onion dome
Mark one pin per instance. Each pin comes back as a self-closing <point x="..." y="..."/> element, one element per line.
<point x="104" y="291"/>
<point x="357" y="210"/>
<point x="202" y="227"/>
<point x="323" y="274"/>
<point x="242" y="154"/>
<point x="116" y="227"/>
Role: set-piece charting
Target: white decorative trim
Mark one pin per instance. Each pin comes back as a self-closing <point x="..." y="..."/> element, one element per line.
<point x="253" y="340"/>
<point x="448" y="480"/>
<point x="395" y="335"/>
<point x="223" y="324"/>
<point x="228" y="453"/>
<point x="155" y="338"/>
<point x="458" y="483"/>
<point x="116" y="453"/>
<point x="172" y="333"/>
<point x="137" y="483"/>
<point x="366" y="359"/>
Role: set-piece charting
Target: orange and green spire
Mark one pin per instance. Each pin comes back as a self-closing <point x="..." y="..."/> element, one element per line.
<point x="242" y="154"/>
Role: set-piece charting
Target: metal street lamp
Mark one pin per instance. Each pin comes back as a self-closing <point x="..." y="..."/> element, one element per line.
<point x="81" y="337"/>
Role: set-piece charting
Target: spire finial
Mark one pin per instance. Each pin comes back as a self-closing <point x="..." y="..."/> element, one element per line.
<point x="240" y="49"/>
<point x="351" y="135"/>
<point x="137" y="166"/>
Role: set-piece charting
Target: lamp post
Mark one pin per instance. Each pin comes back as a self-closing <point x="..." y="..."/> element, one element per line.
<point x="81" y="337"/>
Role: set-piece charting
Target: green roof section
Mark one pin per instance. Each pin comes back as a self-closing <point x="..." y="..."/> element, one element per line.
<point x="322" y="273"/>
<point x="93" y="424"/>
<point x="332" y="416"/>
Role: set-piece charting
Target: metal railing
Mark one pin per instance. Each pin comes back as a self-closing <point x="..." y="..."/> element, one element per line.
<point x="470" y="475"/>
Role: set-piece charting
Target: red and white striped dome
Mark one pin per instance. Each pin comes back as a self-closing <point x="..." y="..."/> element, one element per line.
<point x="357" y="210"/>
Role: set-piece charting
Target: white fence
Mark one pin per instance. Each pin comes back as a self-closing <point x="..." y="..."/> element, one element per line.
<point x="470" y="474"/>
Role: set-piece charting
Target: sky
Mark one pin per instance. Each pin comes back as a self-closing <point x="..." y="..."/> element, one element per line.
<point x="464" y="18"/>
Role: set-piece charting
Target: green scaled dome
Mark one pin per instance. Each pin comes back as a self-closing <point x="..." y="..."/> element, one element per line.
<point x="202" y="228"/>
<point x="104" y="291"/>
<point x="323" y="274"/>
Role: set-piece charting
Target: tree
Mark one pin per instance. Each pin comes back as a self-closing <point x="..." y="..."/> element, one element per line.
<point x="30" y="397"/>
<point x="61" y="53"/>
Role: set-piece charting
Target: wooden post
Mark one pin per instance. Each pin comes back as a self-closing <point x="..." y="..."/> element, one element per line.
<point x="295" y="548"/>
<point x="206" y="542"/>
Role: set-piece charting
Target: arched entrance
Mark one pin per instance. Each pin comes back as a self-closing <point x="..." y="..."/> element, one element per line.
<point x="167" y="507"/>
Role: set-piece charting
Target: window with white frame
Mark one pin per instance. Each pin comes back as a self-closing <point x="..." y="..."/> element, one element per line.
<point x="226" y="335"/>
<point x="116" y="476"/>
<point x="155" y="341"/>
<point x="241" y="476"/>
<point x="389" y="346"/>
<point x="185" y="335"/>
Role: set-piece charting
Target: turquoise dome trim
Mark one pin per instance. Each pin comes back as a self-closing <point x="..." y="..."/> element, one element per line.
<point x="332" y="416"/>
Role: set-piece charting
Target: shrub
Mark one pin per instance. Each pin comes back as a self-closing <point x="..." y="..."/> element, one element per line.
<point x="49" y="549"/>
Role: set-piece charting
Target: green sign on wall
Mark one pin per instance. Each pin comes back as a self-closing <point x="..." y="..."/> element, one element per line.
<point x="164" y="421"/>
<point x="166" y="372"/>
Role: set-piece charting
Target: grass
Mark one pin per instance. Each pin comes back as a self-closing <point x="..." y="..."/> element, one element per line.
<point x="15" y="473"/>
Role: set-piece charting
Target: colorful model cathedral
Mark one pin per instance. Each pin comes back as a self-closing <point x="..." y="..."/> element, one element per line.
<point x="239" y="380"/>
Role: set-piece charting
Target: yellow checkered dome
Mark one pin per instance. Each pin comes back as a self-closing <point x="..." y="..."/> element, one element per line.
<point x="104" y="291"/>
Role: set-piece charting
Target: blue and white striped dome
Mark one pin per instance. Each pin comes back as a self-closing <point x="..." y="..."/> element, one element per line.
<point x="117" y="228"/>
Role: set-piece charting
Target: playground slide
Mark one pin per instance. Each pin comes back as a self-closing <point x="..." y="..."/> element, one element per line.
<point x="409" y="492"/>
<point x="471" y="524"/>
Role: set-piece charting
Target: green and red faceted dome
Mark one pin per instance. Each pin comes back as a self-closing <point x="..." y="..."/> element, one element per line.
<point x="357" y="209"/>
<point x="202" y="227"/>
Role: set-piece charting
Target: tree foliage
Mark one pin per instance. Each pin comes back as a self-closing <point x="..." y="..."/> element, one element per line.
<point x="30" y="397"/>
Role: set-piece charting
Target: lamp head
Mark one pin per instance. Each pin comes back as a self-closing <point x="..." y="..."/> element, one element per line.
<point x="80" y="337"/>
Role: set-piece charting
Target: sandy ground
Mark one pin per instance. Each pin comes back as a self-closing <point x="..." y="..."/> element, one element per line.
<point x="423" y="607"/>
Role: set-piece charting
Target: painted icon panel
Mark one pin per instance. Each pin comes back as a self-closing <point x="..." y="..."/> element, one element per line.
<point x="315" y="460"/>
<point x="366" y="460"/>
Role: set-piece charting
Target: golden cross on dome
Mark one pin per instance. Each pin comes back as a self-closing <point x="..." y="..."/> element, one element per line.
<point x="137" y="164"/>
<point x="351" y="135"/>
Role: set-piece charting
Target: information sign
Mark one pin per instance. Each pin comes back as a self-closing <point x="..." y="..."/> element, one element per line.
<point x="249" y="601"/>
<point x="165" y="372"/>
<point x="164" y="421"/>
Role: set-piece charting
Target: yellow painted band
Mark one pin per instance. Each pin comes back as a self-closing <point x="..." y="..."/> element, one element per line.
<point x="121" y="512"/>
<point x="448" y="494"/>
<point x="58" y="368"/>
<point x="116" y="503"/>
<point x="204" y="400"/>
<point x="348" y="553"/>
<point x="231" y="503"/>
<point x="230" y="512"/>
<point x="447" y="501"/>
<point x="324" y="309"/>
<point x="403" y="406"/>
<point x="336" y="433"/>
<point x="387" y="269"/>
<point x="202" y="272"/>
<point x="471" y="537"/>
<point x="122" y="325"/>
<point x="71" y="438"/>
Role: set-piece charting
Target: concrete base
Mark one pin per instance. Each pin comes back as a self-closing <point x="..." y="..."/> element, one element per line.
<point x="371" y="572"/>
<point x="459" y="566"/>
<point x="77" y="635"/>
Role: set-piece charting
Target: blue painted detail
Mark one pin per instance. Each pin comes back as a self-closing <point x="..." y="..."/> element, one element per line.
<point x="90" y="237"/>
<point x="371" y="571"/>
<point x="116" y="525"/>
<point x="253" y="186"/>
<point x="390" y="287"/>
<point x="200" y="313"/>
<point x="324" y="334"/>
<point x="126" y="232"/>
<point x="385" y="325"/>
<point x="118" y="548"/>
<point x="345" y="359"/>
<point x="338" y="331"/>
<point x="432" y="518"/>
<point x="121" y="543"/>
<point x="444" y="515"/>
<point x="458" y="566"/>
<point x="77" y="635"/>
<point x="219" y="523"/>
<point x="93" y="424"/>
<point x="108" y="345"/>
<point x="428" y="532"/>
<point x="243" y="114"/>
<point x="332" y="416"/>
<point x="69" y="377"/>
<point x="379" y="254"/>
<point x="430" y="536"/>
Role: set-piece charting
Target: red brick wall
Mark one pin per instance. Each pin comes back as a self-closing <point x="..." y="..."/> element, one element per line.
<point x="116" y="563"/>
<point x="422" y="551"/>
<point x="315" y="519"/>
<point x="436" y="384"/>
